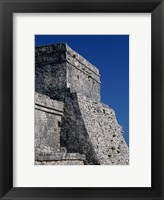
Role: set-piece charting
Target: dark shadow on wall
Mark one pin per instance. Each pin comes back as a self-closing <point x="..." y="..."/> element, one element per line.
<point x="74" y="135"/>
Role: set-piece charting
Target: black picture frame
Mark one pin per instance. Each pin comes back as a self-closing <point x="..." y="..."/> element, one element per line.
<point x="7" y="8"/>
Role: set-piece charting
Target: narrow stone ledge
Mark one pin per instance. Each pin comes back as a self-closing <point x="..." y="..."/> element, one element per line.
<point x="62" y="162"/>
<point x="47" y="103"/>
<point x="48" y="110"/>
<point x="61" y="156"/>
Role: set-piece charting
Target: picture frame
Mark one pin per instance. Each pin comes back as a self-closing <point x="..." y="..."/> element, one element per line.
<point x="7" y="8"/>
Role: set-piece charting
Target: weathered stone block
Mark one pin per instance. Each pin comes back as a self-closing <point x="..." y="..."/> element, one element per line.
<point x="59" y="68"/>
<point x="48" y="115"/>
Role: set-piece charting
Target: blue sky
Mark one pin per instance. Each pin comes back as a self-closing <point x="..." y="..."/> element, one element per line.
<point x="110" y="54"/>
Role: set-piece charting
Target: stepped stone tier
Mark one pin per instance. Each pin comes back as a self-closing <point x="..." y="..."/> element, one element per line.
<point x="58" y="68"/>
<point x="72" y="126"/>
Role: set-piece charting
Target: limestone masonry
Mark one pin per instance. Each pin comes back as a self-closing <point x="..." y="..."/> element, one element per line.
<point x="72" y="126"/>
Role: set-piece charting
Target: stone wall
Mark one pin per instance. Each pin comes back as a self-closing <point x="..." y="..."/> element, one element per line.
<point x="58" y="157"/>
<point x="58" y="67"/>
<point x="91" y="128"/>
<point x="72" y="126"/>
<point x="105" y="134"/>
<point x="77" y="126"/>
<point x="50" y="80"/>
<point x="48" y="115"/>
<point x="74" y="135"/>
<point x="82" y="77"/>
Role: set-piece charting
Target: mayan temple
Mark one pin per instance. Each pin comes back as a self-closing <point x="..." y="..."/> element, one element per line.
<point x="72" y="125"/>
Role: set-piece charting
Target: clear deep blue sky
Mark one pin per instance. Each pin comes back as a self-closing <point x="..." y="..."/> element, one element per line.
<point x="110" y="54"/>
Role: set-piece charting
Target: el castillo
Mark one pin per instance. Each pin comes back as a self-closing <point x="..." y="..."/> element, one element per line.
<point x="72" y="125"/>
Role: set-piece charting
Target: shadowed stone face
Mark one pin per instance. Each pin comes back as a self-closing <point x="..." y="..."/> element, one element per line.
<point x="72" y="126"/>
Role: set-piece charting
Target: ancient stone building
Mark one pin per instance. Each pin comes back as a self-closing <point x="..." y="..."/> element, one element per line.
<point x="72" y="126"/>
